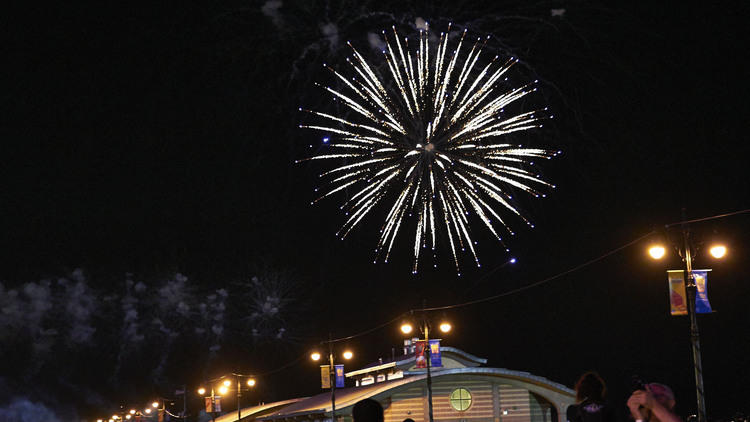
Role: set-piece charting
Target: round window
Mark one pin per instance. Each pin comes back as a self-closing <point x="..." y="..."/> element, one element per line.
<point x="460" y="399"/>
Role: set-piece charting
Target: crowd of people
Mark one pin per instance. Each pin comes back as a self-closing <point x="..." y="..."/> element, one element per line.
<point x="652" y="402"/>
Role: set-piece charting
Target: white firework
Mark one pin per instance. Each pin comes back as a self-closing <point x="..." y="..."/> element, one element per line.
<point x="434" y="134"/>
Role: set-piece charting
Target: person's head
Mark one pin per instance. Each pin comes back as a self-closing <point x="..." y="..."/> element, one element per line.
<point x="663" y="394"/>
<point x="408" y="420"/>
<point x="591" y="386"/>
<point x="367" y="410"/>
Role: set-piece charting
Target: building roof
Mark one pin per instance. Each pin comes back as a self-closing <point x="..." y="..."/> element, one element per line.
<point x="345" y="397"/>
<point x="405" y="361"/>
<point x="255" y="410"/>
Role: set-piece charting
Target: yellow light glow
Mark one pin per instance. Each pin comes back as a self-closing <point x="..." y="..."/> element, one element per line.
<point x="657" y="251"/>
<point x="132" y="411"/>
<point x="445" y="327"/>
<point x="406" y="328"/>
<point x="155" y="404"/>
<point x="115" y="417"/>
<point x="251" y="382"/>
<point x="201" y="391"/>
<point x="227" y="383"/>
<point x="128" y="416"/>
<point x="99" y="420"/>
<point x="348" y="355"/>
<point x="718" y="251"/>
<point x="148" y="410"/>
<point x="223" y="390"/>
<point x="315" y="356"/>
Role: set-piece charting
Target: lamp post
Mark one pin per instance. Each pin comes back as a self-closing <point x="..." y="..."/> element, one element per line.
<point x="332" y="373"/>
<point x="686" y="252"/>
<point x="202" y="392"/>
<point x="250" y="383"/>
<point x="445" y="327"/>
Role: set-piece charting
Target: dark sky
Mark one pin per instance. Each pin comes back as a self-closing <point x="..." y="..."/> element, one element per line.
<point x="160" y="138"/>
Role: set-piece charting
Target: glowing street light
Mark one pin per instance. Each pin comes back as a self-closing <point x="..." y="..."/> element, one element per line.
<point x="315" y="356"/>
<point x="718" y="251"/>
<point x="657" y="251"/>
<point x="251" y="382"/>
<point x="406" y="328"/>
<point x="201" y="391"/>
<point x="155" y="404"/>
<point x="223" y="390"/>
<point x="147" y="410"/>
<point x="348" y="354"/>
<point x="445" y="327"/>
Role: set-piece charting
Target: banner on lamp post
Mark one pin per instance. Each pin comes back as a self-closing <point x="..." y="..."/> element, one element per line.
<point x="339" y="371"/>
<point x="435" y="359"/>
<point x="419" y="354"/>
<point x="325" y="376"/>
<point x="701" y="293"/>
<point x="677" y="294"/>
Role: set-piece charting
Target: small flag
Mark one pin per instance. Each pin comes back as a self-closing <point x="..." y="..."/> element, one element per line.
<point x="677" y="295"/>
<point x="339" y="376"/>
<point x="435" y="359"/>
<point x="419" y="354"/>
<point x="208" y="404"/>
<point x="217" y="404"/>
<point x="701" y="296"/>
<point x="325" y="376"/>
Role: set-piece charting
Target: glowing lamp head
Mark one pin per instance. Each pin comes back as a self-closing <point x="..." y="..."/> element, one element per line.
<point x="132" y="411"/>
<point x="406" y="328"/>
<point x="512" y="260"/>
<point x="718" y="251"/>
<point x="445" y="326"/>
<point x="315" y="356"/>
<point x="348" y="354"/>
<point x="227" y="383"/>
<point x="155" y="404"/>
<point x="223" y="390"/>
<point x="251" y="382"/>
<point x="201" y="391"/>
<point x="657" y="251"/>
<point x="128" y="416"/>
<point x="148" y="410"/>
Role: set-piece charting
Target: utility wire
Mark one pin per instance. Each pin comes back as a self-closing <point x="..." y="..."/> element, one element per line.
<point x="713" y="217"/>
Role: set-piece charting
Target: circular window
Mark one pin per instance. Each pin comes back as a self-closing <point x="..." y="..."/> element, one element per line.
<point x="460" y="399"/>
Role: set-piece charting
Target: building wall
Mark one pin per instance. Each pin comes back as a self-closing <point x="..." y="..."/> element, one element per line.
<point x="493" y="400"/>
<point x="405" y="404"/>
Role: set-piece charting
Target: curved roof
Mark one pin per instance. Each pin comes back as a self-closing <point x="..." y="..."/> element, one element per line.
<point x="346" y="397"/>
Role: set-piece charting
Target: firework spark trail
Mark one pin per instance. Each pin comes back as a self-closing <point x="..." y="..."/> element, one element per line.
<point x="437" y="135"/>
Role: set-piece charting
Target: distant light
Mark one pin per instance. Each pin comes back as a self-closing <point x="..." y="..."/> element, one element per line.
<point x="201" y="391"/>
<point x="657" y="251"/>
<point x="128" y="416"/>
<point x="251" y="382"/>
<point x="132" y="411"/>
<point x="223" y="390"/>
<point x="148" y="410"/>
<point x="445" y="327"/>
<point x="227" y="383"/>
<point x="155" y="404"/>
<point x="512" y="260"/>
<point x="718" y="251"/>
<point x="406" y="328"/>
<point x="315" y="356"/>
<point x="326" y="139"/>
<point x="348" y="354"/>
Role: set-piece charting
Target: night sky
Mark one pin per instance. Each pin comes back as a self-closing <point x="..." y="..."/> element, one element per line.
<point x="148" y="160"/>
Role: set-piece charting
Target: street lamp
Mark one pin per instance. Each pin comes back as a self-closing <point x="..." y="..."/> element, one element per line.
<point x="225" y="387"/>
<point x="444" y="327"/>
<point x="202" y="392"/>
<point x="316" y="356"/>
<point x="687" y="254"/>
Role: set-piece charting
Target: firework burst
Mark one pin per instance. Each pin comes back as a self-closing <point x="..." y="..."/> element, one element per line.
<point x="434" y="133"/>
